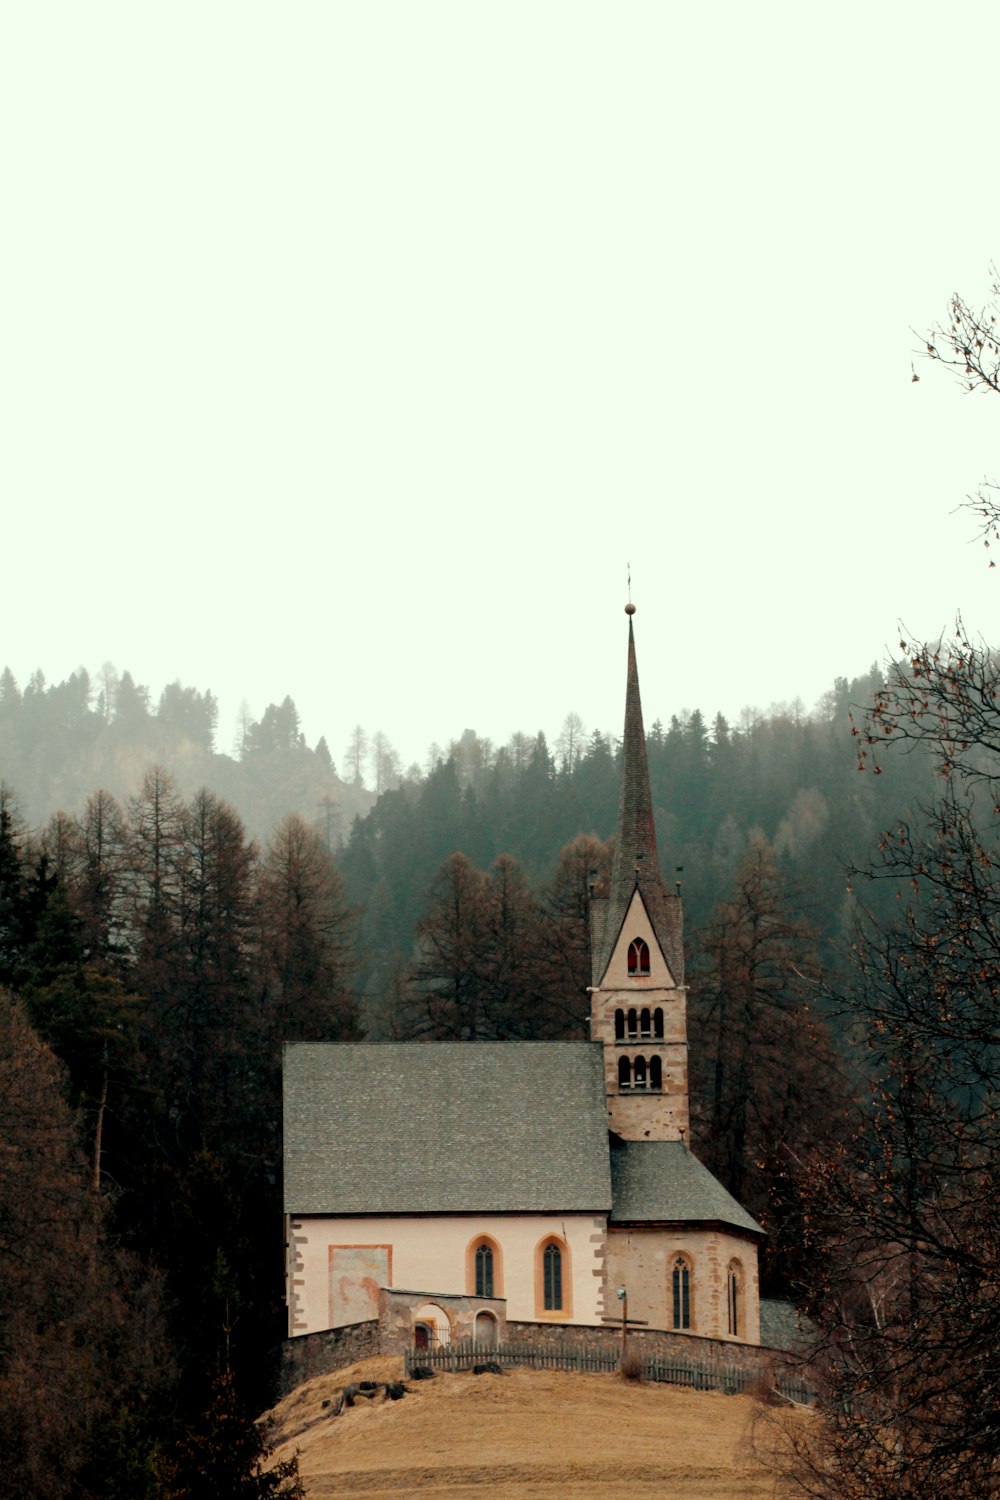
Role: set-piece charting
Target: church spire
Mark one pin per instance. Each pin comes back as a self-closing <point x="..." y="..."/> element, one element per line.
<point x="635" y="860"/>
<point x="638" y="1004"/>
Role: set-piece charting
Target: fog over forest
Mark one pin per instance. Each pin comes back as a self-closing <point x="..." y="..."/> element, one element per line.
<point x="358" y="363"/>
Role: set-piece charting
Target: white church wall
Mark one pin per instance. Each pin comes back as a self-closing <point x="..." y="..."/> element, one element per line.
<point x="337" y="1264"/>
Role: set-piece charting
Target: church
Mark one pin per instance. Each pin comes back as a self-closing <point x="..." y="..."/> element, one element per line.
<point x="491" y="1189"/>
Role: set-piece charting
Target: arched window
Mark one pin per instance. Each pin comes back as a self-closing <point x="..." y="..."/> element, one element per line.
<point x="655" y="1074"/>
<point x="645" y="1025"/>
<point x="681" y="1287"/>
<point x="553" y="1279"/>
<point x="658" y="1024"/>
<point x="734" y="1298"/>
<point x="552" y="1296"/>
<point x="619" y="1025"/>
<point x="624" y="1073"/>
<point x="484" y="1271"/>
<point x="483" y="1267"/>
<point x="638" y="956"/>
<point x="633" y="1024"/>
<point x="639" y="1073"/>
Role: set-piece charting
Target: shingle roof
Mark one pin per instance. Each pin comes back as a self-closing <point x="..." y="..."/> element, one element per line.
<point x="782" y="1326"/>
<point x="663" y="1181"/>
<point x="445" y="1127"/>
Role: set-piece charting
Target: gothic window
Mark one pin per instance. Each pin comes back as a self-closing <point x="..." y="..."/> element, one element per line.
<point x="484" y="1271"/>
<point x="655" y="1074"/>
<point x="681" y="1286"/>
<point x="638" y="956"/>
<point x="734" y="1298"/>
<point x="552" y="1298"/>
<point x="483" y="1267"/>
<point x="633" y="1024"/>
<point x="658" y="1024"/>
<point x="624" y="1073"/>
<point x="639" y="1073"/>
<point x="619" y="1025"/>
<point x="645" y="1025"/>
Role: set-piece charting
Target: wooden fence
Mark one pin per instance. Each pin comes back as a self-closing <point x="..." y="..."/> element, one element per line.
<point x="706" y="1375"/>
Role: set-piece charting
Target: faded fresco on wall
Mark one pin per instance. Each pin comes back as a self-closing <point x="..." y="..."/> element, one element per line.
<point x="356" y="1273"/>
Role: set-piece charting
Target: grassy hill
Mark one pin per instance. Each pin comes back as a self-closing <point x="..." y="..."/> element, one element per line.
<point x="547" y="1435"/>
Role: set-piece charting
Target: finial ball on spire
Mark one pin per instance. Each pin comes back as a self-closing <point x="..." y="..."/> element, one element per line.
<point x="630" y="608"/>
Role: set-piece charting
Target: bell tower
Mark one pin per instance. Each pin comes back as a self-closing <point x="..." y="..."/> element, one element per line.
<point x="638" y="1000"/>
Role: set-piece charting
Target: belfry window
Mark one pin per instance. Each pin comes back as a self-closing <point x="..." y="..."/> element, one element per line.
<point x="639" y="1073"/>
<point x="619" y="1025"/>
<point x="645" y="1025"/>
<point x="658" y="1024"/>
<point x="681" y="1279"/>
<point x="655" y="1074"/>
<point x="624" y="1073"/>
<point x="484" y="1271"/>
<point x="633" y="1023"/>
<point x="638" y="956"/>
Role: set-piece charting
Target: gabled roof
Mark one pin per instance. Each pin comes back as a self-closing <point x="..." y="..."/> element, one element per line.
<point x="445" y="1127"/>
<point x="636" y="861"/>
<point x="663" y="1182"/>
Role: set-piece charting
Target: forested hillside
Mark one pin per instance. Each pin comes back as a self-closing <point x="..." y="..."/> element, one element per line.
<point x="790" y="778"/>
<point x="61" y="741"/>
<point x="156" y="956"/>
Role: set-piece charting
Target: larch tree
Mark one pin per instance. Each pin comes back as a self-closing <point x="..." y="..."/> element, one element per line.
<point x="306" y="939"/>
<point x="908" y="1213"/>
<point x="446" y="985"/>
<point x="81" y="1341"/>
<point x="766" y="1082"/>
<point x="355" y="755"/>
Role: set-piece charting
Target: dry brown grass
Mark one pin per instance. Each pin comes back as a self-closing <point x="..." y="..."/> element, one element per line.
<point x="529" y="1434"/>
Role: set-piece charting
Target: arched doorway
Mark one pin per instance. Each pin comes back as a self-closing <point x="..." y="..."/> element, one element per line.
<point x="435" y="1320"/>
<point x="486" y="1329"/>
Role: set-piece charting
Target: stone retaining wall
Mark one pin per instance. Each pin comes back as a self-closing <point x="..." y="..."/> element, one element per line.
<point x="311" y="1354"/>
<point x="650" y="1342"/>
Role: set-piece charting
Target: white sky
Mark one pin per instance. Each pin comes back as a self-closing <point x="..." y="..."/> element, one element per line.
<point x="352" y="351"/>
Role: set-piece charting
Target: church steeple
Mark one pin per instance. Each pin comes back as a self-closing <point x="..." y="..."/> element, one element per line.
<point x="638" y="1002"/>
<point x="635" y="845"/>
<point x="636" y="861"/>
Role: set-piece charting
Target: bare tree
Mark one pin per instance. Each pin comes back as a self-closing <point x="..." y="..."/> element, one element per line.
<point x="355" y="755"/>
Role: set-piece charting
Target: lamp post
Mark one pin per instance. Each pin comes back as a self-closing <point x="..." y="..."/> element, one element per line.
<point x="626" y="1321"/>
<point x="622" y="1295"/>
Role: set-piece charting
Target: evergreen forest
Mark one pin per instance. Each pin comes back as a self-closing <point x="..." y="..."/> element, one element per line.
<point x="155" y="957"/>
